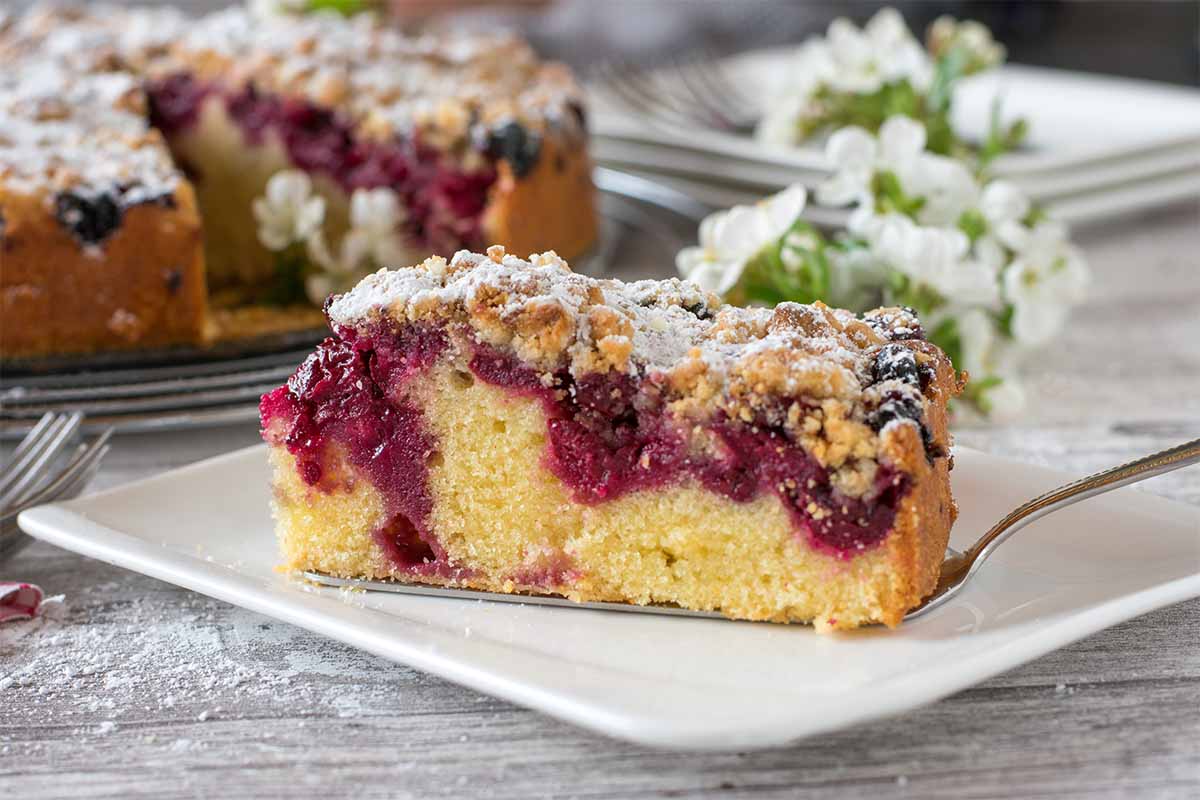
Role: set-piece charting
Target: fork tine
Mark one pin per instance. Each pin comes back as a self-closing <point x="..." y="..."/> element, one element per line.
<point x="36" y="444"/>
<point x="701" y="96"/>
<point x="693" y="93"/>
<point x="86" y="473"/>
<point x="707" y="79"/>
<point x="37" y="467"/>
<point x="627" y="86"/>
<point x="27" y="442"/>
<point x="81" y="469"/>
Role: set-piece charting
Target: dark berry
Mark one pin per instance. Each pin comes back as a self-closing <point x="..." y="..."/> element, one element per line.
<point x="893" y="410"/>
<point x="905" y="405"/>
<point x="90" y="217"/>
<point x="926" y="373"/>
<point x="173" y="279"/>
<point x="580" y="113"/>
<point x="254" y="112"/>
<point x="515" y="145"/>
<point x="175" y="101"/>
<point x="896" y="362"/>
<point x="698" y="310"/>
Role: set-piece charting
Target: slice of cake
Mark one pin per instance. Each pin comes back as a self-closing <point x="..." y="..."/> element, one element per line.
<point x="510" y="425"/>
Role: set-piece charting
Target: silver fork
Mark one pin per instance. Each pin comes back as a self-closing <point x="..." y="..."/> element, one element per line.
<point x="957" y="568"/>
<point x="40" y="470"/>
<point x="686" y="92"/>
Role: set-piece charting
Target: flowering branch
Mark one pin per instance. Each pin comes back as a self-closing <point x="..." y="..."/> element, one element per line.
<point x="291" y="224"/>
<point x="991" y="276"/>
<point x="861" y="78"/>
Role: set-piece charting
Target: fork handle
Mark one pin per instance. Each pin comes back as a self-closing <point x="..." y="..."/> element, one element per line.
<point x="1175" y="458"/>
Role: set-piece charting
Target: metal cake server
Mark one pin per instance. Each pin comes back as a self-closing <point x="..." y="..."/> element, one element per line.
<point x="957" y="569"/>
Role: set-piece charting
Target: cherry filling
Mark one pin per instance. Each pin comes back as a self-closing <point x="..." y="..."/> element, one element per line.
<point x="444" y="205"/>
<point x="607" y="439"/>
<point x="607" y="436"/>
<point x="348" y="395"/>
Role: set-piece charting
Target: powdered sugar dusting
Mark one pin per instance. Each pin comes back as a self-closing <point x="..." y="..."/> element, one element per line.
<point x="60" y="129"/>
<point x="670" y="328"/>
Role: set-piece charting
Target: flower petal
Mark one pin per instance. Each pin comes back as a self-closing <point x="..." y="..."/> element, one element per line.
<point x="784" y="208"/>
<point x="1002" y="201"/>
<point x="901" y="139"/>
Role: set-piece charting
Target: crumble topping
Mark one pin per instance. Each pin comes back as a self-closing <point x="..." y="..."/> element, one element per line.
<point x="455" y="90"/>
<point x="85" y="132"/>
<point x="377" y="76"/>
<point x="834" y="382"/>
<point x="72" y="115"/>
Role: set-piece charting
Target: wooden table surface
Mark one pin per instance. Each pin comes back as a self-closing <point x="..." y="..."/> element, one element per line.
<point x="135" y="687"/>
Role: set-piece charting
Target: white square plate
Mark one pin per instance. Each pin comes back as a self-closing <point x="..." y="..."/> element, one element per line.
<point x="1156" y="144"/>
<point x="673" y="681"/>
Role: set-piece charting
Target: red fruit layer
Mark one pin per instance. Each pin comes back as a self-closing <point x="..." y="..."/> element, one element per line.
<point x="443" y="204"/>
<point x="349" y="394"/>
<point x="608" y="436"/>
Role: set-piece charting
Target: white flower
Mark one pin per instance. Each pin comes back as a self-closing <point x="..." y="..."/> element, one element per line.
<point x="846" y="60"/>
<point x="973" y="38"/>
<point x="730" y="239"/>
<point x="977" y="334"/>
<point x="1048" y="277"/>
<point x="318" y="286"/>
<point x="374" y="239"/>
<point x="375" y="216"/>
<point x="946" y="185"/>
<point x="856" y="278"/>
<point x="275" y="8"/>
<point x="934" y="257"/>
<point x="987" y="358"/>
<point x="884" y="51"/>
<point x="289" y="212"/>
<point x="1004" y="206"/>
<point x="856" y="156"/>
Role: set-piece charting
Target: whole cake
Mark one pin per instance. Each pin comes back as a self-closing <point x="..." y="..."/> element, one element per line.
<point x="509" y="425"/>
<point x="310" y="150"/>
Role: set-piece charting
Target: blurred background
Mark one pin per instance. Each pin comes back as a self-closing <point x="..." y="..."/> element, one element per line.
<point x="1154" y="40"/>
<point x="1090" y="36"/>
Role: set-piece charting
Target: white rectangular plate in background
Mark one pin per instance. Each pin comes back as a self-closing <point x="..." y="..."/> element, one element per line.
<point x="1081" y="159"/>
<point x="672" y="681"/>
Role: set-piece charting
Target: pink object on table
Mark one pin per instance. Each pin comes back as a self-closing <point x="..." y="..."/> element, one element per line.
<point x="19" y="600"/>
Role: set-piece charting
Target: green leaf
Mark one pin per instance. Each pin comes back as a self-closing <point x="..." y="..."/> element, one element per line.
<point x="946" y="336"/>
<point x="801" y="276"/>
<point x="890" y="196"/>
<point x="345" y="7"/>
<point x="1036" y="214"/>
<point x="976" y="392"/>
<point x="948" y="69"/>
<point x="1004" y="321"/>
<point x="973" y="224"/>
<point x="287" y="287"/>
<point x="1001" y="138"/>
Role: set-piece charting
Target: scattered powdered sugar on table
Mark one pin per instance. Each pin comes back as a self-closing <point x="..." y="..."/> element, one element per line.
<point x="132" y="646"/>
